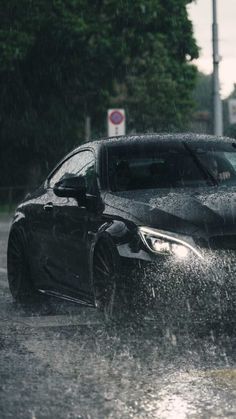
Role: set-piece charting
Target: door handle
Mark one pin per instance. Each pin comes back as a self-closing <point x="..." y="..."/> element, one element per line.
<point x="48" y="206"/>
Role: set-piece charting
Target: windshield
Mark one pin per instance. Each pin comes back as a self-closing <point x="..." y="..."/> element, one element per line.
<point x="170" y="165"/>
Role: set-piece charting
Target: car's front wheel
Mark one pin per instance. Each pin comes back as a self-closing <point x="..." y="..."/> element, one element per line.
<point x="106" y="280"/>
<point x="19" y="279"/>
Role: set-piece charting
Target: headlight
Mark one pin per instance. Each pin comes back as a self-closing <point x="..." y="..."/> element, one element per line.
<point x="166" y="243"/>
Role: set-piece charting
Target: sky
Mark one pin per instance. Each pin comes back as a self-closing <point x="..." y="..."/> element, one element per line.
<point x="200" y="12"/>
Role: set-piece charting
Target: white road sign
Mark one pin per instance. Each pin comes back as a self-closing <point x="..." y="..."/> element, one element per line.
<point x="232" y="111"/>
<point x="115" y="122"/>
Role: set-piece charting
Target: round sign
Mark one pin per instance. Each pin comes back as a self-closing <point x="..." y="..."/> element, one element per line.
<point x="116" y="117"/>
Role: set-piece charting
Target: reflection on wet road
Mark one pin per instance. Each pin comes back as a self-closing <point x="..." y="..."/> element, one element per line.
<point x="62" y="360"/>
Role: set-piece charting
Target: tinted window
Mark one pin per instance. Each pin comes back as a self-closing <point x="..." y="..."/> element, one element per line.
<point x="80" y="164"/>
<point x="170" y="165"/>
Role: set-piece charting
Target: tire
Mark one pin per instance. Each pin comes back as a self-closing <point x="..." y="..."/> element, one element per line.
<point x="105" y="278"/>
<point x="19" y="279"/>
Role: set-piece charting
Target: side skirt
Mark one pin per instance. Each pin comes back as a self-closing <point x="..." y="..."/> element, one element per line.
<point x="66" y="297"/>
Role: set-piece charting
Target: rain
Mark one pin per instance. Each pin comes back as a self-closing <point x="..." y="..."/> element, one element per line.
<point x="117" y="214"/>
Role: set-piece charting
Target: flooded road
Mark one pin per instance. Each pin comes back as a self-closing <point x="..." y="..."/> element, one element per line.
<point x="63" y="360"/>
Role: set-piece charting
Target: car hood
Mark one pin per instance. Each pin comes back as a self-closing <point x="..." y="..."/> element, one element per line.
<point x="205" y="211"/>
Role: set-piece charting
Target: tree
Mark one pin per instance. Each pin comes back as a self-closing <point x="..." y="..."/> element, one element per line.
<point x="160" y="80"/>
<point x="62" y="60"/>
<point x="202" y="93"/>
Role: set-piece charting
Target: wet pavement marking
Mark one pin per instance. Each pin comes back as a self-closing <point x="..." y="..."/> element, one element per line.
<point x="52" y="321"/>
<point x="227" y="374"/>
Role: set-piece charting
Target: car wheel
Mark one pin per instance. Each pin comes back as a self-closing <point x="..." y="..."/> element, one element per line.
<point x="105" y="276"/>
<point x="19" y="279"/>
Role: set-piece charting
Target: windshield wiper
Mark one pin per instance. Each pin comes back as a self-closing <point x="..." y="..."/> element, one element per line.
<point x="206" y="173"/>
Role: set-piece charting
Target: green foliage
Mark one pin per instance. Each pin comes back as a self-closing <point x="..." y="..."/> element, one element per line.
<point x="202" y="93"/>
<point x="160" y="79"/>
<point x="159" y="95"/>
<point x="63" y="59"/>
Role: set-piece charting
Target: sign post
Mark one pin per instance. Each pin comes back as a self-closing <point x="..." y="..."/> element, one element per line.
<point x="115" y="122"/>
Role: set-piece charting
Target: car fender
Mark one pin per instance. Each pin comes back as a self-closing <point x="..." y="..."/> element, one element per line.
<point x="113" y="232"/>
<point x="19" y="221"/>
<point x="124" y="236"/>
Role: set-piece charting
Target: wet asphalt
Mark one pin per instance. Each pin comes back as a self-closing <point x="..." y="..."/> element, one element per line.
<point x="64" y="360"/>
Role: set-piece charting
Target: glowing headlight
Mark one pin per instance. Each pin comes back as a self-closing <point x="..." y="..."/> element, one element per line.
<point x="180" y="251"/>
<point x="167" y="243"/>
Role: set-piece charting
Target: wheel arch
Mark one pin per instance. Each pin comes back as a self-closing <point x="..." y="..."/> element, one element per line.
<point x="115" y="233"/>
<point x="105" y="238"/>
<point x="112" y="233"/>
<point x="18" y="240"/>
<point x="19" y="224"/>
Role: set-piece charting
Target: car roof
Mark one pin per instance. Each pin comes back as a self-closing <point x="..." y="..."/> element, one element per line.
<point x="97" y="144"/>
<point x="162" y="137"/>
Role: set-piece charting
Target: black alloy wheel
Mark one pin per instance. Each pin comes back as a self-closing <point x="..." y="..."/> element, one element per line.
<point x="105" y="277"/>
<point x="19" y="280"/>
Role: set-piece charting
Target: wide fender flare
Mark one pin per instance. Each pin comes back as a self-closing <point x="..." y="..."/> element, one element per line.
<point x="114" y="233"/>
<point x="19" y="220"/>
<point x="19" y="223"/>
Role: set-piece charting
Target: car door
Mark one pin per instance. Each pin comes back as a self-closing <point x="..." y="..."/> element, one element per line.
<point x="40" y="220"/>
<point x="70" y="224"/>
<point x="49" y="230"/>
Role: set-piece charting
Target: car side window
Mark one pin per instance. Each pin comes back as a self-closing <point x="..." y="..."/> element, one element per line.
<point x="80" y="164"/>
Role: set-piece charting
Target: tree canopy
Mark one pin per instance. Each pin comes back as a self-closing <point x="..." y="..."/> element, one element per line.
<point x="203" y="92"/>
<point x="63" y="60"/>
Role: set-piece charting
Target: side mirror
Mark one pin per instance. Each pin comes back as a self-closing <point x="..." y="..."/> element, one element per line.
<point x="71" y="187"/>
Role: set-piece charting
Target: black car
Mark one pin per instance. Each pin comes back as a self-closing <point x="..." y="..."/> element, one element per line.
<point x="132" y="204"/>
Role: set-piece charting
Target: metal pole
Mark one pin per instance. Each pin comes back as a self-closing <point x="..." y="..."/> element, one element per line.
<point x="218" y="118"/>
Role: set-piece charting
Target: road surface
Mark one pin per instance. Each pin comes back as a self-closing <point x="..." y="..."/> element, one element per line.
<point x="63" y="360"/>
